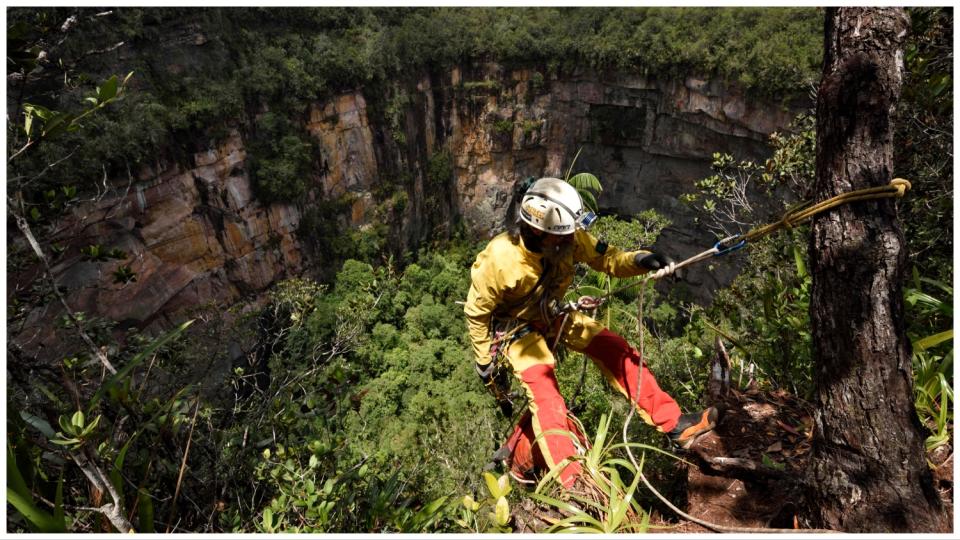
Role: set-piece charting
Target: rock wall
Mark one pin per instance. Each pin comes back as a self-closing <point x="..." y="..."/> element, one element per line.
<point x="647" y="140"/>
<point x="191" y="236"/>
<point x="196" y="235"/>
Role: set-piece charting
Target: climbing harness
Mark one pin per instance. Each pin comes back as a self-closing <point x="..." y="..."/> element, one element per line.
<point x="793" y="217"/>
<point x="505" y="332"/>
<point x="499" y="383"/>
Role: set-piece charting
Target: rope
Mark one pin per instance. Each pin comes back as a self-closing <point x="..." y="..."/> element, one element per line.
<point x="896" y="188"/>
<point x="800" y="214"/>
<point x="793" y="217"/>
<point x="639" y="469"/>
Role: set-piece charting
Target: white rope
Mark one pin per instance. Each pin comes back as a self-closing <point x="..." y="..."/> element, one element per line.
<point x="634" y="404"/>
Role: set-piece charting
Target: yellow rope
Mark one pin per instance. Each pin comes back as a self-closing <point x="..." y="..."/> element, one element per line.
<point x="896" y="188"/>
<point x="793" y="217"/>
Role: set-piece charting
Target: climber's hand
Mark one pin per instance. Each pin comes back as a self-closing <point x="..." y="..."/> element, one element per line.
<point x="588" y="302"/>
<point x="659" y="264"/>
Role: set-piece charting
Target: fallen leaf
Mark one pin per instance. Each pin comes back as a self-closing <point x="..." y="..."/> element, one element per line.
<point x="775" y="447"/>
<point x="788" y="428"/>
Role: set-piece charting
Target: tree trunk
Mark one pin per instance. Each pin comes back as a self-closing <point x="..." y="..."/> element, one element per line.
<point x="868" y="472"/>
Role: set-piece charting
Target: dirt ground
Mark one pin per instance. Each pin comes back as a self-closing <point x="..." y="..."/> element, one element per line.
<point x="742" y="474"/>
<point x="746" y="465"/>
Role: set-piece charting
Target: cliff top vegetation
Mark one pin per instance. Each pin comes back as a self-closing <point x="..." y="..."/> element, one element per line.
<point x="201" y="72"/>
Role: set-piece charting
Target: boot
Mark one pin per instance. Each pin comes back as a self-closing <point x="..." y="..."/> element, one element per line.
<point x="691" y="425"/>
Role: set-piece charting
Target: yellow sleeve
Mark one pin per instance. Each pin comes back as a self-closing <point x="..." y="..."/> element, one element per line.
<point x="490" y="281"/>
<point x="605" y="258"/>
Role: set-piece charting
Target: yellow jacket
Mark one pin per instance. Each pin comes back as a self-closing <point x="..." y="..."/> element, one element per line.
<point x="505" y="273"/>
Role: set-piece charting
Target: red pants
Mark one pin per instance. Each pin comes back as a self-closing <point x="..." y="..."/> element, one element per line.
<point x="544" y="438"/>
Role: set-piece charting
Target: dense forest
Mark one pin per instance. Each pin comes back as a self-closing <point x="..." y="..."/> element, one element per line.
<point x="353" y="405"/>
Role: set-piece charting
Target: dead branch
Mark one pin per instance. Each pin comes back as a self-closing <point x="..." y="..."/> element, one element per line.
<point x="113" y="511"/>
<point x="48" y="272"/>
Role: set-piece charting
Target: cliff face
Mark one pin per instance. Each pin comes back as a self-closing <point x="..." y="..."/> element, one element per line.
<point x="648" y="141"/>
<point x="195" y="234"/>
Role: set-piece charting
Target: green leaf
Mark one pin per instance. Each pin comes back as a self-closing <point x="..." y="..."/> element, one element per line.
<point x="939" y="284"/>
<point x="90" y="427"/>
<point x="492" y="486"/>
<point x="57" y="124"/>
<point x="39" y="111"/>
<point x="58" y="514"/>
<point x="589" y="290"/>
<point x="77" y="420"/>
<point x="502" y="511"/>
<point x="504" y="484"/>
<point x="559" y="505"/>
<point x="64" y="425"/>
<point x="41" y="521"/>
<point x="426" y="515"/>
<point x="915" y="296"/>
<point x="15" y="479"/>
<point x="572" y="163"/>
<point x="932" y="341"/>
<point x="39" y="423"/>
<point x="798" y="259"/>
<point x="943" y="83"/>
<point x="768" y="462"/>
<point x="268" y="519"/>
<point x="115" y="472"/>
<point x="27" y="122"/>
<point x="146" y="512"/>
<point x="586" y="181"/>
<point x="65" y="442"/>
<point x="588" y="200"/>
<point x="108" y="91"/>
<point x="136" y="361"/>
<point x="623" y="505"/>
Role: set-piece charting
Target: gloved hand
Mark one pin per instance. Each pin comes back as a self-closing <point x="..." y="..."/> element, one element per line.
<point x="655" y="262"/>
<point x="485" y="371"/>
<point x="588" y="302"/>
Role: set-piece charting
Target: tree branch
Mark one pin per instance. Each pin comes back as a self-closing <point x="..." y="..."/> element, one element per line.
<point x="48" y="272"/>
<point x="93" y="472"/>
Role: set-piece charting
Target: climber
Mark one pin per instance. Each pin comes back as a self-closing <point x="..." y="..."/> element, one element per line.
<point x="515" y="316"/>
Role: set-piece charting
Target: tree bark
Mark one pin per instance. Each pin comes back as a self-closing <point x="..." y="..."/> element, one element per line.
<point x="868" y="472"/>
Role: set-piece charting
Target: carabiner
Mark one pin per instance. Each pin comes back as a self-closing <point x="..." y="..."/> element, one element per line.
<point x="721" y="250"/>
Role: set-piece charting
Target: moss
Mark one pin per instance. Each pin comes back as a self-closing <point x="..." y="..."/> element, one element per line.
<point x="503" y="126"/>
<point x="487" y="85"/>
<point x="536" y="82"/>
<point x="440" y="168"/>
<point x="530" y="126"/>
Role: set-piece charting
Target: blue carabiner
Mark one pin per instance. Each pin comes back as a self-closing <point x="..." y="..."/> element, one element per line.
<point x="723" y="251"/>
